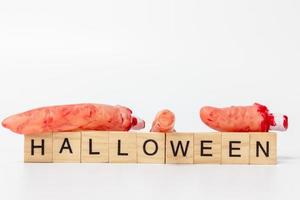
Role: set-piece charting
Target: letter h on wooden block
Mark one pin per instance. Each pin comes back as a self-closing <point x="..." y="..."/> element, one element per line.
<point x="122" y="147"/>
<point x="235" y="148"/>
<point x="151" y="147"/>
<point x="66" y="147"/>
<point x="38" y="148"/>
<point x="207" y="148"/>
<point x="94" y="146"/>
<point x="263" y="147"/>
<point x="179" y="148"/>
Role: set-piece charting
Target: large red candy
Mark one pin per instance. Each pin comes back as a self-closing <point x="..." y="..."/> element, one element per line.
<point x="255" y="118"/>
<point x="73" y="117"/>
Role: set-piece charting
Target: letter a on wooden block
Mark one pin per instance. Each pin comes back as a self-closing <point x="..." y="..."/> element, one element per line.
<point x="207" y="148"/>
<point x="263" y="147"/>
<point x="38" y="148"/>
<point x="66" y="147"/>
<point x="151" y="147"/>
<point x="179" y="148"/>
<point x="235" y="148"/>
<point x="94" y="146"/>
<point x="122" y="147"/>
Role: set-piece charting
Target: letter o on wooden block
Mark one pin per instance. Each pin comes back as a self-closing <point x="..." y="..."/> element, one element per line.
<point x="38" y="148"/>
<point x="263" y="148"/>
<point x="151" y="147"/>
<point x="122" y="147"/>
<point x="179" y="148"/>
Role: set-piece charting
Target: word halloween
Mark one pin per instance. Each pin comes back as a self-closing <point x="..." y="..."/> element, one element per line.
<point x="169" y="148"/>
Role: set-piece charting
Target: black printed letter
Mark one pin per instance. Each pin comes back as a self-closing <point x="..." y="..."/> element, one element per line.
<point x="184" y="151"/>
<point x="119" y="149"/>
<point x="231" y="148"/>
<point x="203" y="147"/>
<point x="42" y="146"/>
<point x="266" y="152"/>
<point x="91" y="148"/>
<point x="68" y="146"/>
<point x="156" y="147"/>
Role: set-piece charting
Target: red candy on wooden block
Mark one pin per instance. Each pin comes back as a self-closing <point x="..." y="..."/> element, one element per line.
<point x="73" y="118"/>
<point x="164" y="122"/>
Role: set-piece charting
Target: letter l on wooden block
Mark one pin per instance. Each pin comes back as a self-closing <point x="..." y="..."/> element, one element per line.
<point x="38" y="148"/>
<point x="94" y="146"/>
<point x="122" y="147"/>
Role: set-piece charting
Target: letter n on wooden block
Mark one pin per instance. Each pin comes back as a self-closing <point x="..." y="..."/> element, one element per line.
<point x="38" y="148"/>
<point x="94" y="146"/>
<point x="235" y="148"/>
<point x="263" y="148"/>
<point x="179" y="148"/>
<point x="66" y="147"/>
<point x="207" y="148"/>
<point x="151" y="147"/>
<point x="122" y="147"/>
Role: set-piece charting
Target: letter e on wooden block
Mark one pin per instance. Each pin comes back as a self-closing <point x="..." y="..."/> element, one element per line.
<point x="179" y="148"/>
<point x="263" y="148"/>
<point x="94" y="146"/>
<point x="66" y="147"/>
<point x="151" y="147"/>
<point x="207" y="148"/>
<point x="122" y="147"/>
<point x="235" y="148"/>
<point x="38" y="148"/>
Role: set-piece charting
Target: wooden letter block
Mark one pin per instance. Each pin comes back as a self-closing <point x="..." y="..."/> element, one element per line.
<point x="151" y="147"/>
<point x="122" y="147"/>
<point x="235" y="148"/>
<point x="263" y="147"/>
<point x="207" y="148"/>
<point x="66" y="147"/>
<point x="94" y="146"/>
<point x="179" y="148"/>
<point x="38" y="148"/>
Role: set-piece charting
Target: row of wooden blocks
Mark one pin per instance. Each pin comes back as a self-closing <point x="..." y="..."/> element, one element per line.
<point x="169" y="148"/>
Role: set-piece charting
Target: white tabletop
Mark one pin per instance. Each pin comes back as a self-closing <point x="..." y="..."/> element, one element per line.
<point x="150" y="55"/>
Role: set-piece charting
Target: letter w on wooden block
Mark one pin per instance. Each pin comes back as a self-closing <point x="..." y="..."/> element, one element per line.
<point x="263" y="147"/>
<point x="151" y="147"/>
<point x="122" y="147"/>
<point x="207" y="148"/>
<point x="179" y="148"/>
<point x="38" y="148"/>
<point x="94" y="146"/>
<point x="66" y="147"/>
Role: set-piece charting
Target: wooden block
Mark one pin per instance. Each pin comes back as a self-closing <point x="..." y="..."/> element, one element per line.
<point x="207" y="148"/>
<point x="179" y="148"/>
<point x="122" y="147"/>
<point x="263" y="148"/>
<point x="94" y="146"/>
<point x="151" y="147"/>
<point x="38" y="148"/>
<point x="66" y="147"/>
<point x="235" y="148"/>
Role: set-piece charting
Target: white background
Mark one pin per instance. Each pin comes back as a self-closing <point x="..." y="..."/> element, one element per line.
<point x="150" y="55"/>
